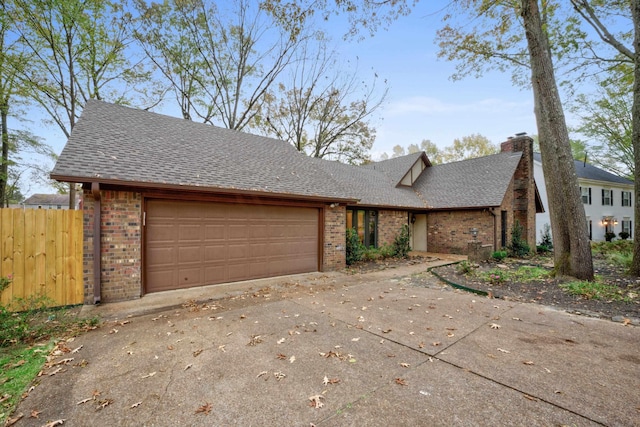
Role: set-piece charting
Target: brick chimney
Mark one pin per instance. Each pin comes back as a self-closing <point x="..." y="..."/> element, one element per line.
<point x="524" y="193"/>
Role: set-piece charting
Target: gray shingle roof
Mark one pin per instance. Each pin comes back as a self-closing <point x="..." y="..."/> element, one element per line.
<point x="112" y="143"/>
<point x="397" y="167"/>
<point x="588" y="171"/>
<point x="469" y="183"/>
<point x="116" y="144"/>
<point x="47" y="199"/>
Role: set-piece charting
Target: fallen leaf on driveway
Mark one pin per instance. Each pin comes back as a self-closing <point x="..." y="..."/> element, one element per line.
<point x="85" y="401"/>
<point x="355" y="339"/>
<point x="149" y="375"/>
<point x="55" y="423"/>
<point x="197" y="352"/>
<point x="386" y="331"/>
<point x="103" y="404"/>
<point x="204" y="409"/>
<point x="503" y="350"/>
<point x="35" y="413"/>
<point x="188" y="366"/>
<point x="401" y="381"/>
<point x="281" y="356"/>
<point x="12" y="421"/>
<point x="135" y="405"/>
<point x="262" y="374"/>
<point x="57" y="370"/>
<point x="404" y="365"/>
<point x="280" y="341"/>
<point x="292" y="359"/>
<point x="279" y="375"/>
<point x="315" y="401"/>
<point x="528" y="362"/>
<point x="495" y="326"/>
<point x="626" y="321"/>
<point x="255" y="340"/>
<point x="530" y="397"/>
<point x="327" y="381"/>
<point x="436" y="343"/>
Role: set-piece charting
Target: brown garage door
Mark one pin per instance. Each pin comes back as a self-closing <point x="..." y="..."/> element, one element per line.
<point x="198" y="243"/>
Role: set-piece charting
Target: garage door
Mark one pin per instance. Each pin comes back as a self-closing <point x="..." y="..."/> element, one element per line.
<point x="198" y="243"/>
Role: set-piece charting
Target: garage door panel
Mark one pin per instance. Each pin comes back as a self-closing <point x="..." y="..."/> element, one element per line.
<point x="196" y="243"/>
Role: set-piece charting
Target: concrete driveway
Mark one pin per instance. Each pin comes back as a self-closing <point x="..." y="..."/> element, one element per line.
<point x="382" y="349"/>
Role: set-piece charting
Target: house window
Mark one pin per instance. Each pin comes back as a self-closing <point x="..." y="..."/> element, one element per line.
<point x="626" y="198"/>
<point x="607" y="197"/>
<point x="586" y="195"/>
<point x="626" y="226"/>
<point x="365" y="222"/>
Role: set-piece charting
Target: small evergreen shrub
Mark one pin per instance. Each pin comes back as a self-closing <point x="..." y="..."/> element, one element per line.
<point x="499" y="255"/>
<point x="609" y="236"/>
<point x="519" y="247"/>
<point x="402" y="244"/>
<point x="623" y="235"/>
<point x="545" y="237"/>
<point x="465" y="267"/>
<point x="354" y="249"/>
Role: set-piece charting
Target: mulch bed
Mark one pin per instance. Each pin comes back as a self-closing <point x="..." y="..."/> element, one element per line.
<point x="548" y="292"/>
<point x="545" y="292"/>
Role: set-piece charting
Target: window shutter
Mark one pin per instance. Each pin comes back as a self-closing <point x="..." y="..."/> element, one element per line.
<point x="603" y="197"/>
<point x="622" y="198"/>
<point x="611" y="197"/>
<point x="589" y="195"/>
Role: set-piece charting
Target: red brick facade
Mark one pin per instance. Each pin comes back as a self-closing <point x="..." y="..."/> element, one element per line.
<point x="389" y="225"/>
<point x="450" y="231"/>
<point x="121" y="244"/>
<point x="334" y="254"/>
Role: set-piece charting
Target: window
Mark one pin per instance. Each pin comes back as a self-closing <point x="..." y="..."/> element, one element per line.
<point x="365" y="223"/>
<point x="626" y="226"/>
<point x="626" y="198"/>
<point x="607" y="197"/>
<point x="586" y="195"/>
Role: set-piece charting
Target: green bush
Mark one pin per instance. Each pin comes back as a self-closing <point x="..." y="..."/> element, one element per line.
<point x="465" y="267"/>
<point x="623" y="235"/>
<point x="542" y="249"/>
<point x="402" y="243"/>
<point x="386" y="251"/>
<point x="495" y="276"/>
<point x="545" y="237"/>
<point x="608" y="236"/>
<point x="519" y="247"/>
<point x="354" y="249"/>
<point x="499" y="255"/>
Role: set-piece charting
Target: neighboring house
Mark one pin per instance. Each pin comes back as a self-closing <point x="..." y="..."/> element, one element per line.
<point x="170" y="204"/>
<point x="49" y="201"/>
<point x="607" y="198"/>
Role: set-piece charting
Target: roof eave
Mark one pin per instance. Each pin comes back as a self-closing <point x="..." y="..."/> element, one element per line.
<point x="196" y="188"/>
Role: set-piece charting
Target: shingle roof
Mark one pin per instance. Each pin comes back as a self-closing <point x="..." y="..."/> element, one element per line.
<point x="47" y="199"/>
<point x="116" y="144"/>
<point x="397" y="167"/>
<point x="469" y="183"/>
<point x="588" y="171"/>
<point x="372" y="186"/>
<point x="112" y="143"/>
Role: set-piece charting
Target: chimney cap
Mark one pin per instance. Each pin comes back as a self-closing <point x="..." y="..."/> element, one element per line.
<point x="521" y="134"/>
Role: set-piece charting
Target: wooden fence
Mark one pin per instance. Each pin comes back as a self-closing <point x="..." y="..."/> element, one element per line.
<point x="41" y="250"/>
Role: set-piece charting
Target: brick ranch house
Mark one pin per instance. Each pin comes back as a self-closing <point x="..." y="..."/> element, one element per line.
<point x="178" y="204"/>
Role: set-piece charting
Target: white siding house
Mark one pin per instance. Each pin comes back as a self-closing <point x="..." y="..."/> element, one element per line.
<point x="608" y="200"/>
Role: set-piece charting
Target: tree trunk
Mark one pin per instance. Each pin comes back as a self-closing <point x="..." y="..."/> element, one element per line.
<point x="572" y="249"/>
<point x="4" y="160"/>
<point x="635" y="135"/>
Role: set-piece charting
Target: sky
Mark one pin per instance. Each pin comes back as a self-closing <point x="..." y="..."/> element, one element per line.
<point x="423" y="102"/>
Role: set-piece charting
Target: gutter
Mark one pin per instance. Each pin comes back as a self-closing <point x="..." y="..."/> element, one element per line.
<point x="97" y="246"/>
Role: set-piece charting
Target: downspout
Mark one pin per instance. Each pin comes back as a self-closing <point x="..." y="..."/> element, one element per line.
<point x="97" y="247"/>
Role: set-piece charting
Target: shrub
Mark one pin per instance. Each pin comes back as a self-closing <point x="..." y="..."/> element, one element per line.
<point x="465" y="267"/>
<point x="545" y="237"/>
<point x="623" y="235"/>
<point x="542" y="249"/>
<point x="499" y="255"/>
<point x="495" y="277"/>
<point x="354" y="249"/>
<point x="402" y="244"/>
<point x="4" y="283"/>
<point x="519" y="247"/>
<point x="609" y="236"/>
<point x="386" y="251"/>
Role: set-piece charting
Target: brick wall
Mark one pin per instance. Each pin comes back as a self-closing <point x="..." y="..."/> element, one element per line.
<point x="523" y="188"/>
<point x="389" y="225"/>
<point x="121" y="242"/>
<point x="450" y="231"/>
<point x="334" y="254"/>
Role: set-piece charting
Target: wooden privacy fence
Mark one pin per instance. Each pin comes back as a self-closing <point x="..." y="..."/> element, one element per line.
<point x="41" y="250"/>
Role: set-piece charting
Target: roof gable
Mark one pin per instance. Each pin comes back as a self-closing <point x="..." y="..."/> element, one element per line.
<point x="479" y="182"/>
